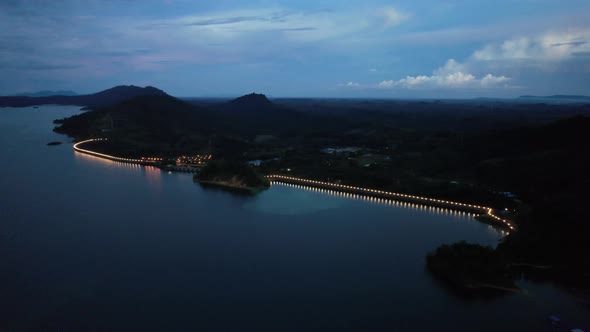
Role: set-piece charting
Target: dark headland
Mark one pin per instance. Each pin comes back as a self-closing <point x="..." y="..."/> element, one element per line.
<point x="233" y="176"/>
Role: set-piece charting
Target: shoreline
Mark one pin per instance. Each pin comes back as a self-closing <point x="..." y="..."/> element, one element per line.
<point x="483" y="211"/>
<point x="229" y="187"/>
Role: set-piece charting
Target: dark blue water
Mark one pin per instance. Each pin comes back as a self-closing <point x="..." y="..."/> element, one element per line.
<point x="92" y="245"/>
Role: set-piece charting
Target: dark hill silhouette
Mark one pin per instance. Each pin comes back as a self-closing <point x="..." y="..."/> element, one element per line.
<point x="164" y="124"/>
<point x="251" y="102"/>
<point x="104" y="98"/>
<point x="256" y="114"/>
<point x="154" y="113"/>
<point x="547" y="167"/>
<point x="144" y="125"/>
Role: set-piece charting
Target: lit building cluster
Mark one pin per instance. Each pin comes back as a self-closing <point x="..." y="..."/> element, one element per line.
<point x="151" y="159"/>
<point x="487" y="210"/>
<point x="198" y="160"/>
<point x="186" y="161"/>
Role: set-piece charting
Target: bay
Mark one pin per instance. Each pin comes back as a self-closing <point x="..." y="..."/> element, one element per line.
<point x="93" y="245"/>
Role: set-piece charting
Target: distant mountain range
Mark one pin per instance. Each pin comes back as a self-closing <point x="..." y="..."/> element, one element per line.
<point x="557" y="98"/>
<point x="46" y="93"/>
<point x="104" y="98"/>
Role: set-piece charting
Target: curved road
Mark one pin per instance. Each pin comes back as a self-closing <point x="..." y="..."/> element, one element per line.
<point x="485" y="210"/>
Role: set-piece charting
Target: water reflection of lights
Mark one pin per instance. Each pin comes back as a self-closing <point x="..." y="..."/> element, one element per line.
<point x="377" y="200"/>
<point x="78" y="148"/>
<point x="153" y="175"/>
<point x="142" y="160"/>
<point x="339" y="189"/>
<point x="378" y="194"/>
<point x="432" y="210"/>
<point x="106" y="162"/>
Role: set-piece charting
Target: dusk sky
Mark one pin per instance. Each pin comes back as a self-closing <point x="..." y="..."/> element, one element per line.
<point x="332" y="48"/>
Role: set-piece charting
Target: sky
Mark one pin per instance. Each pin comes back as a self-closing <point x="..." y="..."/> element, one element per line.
<point x="304" y="48"/>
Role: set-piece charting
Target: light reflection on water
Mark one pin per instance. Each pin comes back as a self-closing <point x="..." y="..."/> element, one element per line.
<point x="456" y="215"/>
<point x="85" y="159"/>
<point x="153" y="175"/>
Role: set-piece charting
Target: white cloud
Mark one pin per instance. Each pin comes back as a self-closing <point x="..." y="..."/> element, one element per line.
<point x="451" y="75"/>
<point x="393" y="17"/>
<point x="372" y="70"/>
<point x="450" y="67"/>
<point x="550" y="46"/>
<point x="514" y="57"/>
<point x="387" y="84"/>
<point x="491" y="80"/>
<point x="458" y="79"/>
<point x="280" y="22"/>
<point x="350" y="85"/>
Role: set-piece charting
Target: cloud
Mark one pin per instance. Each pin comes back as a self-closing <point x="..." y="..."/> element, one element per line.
<point x="577" y="43"/>
<point x="225" y="20"/>
<point x="451" y="75"/>
<point x="550" y="46"/>
<point x="350" y="85"/>
<point x="110" y="43"/>
<point x="35" y="65"/>
<point x="450" y="67"/>
<point x="85" y="42"/>
<point x="525" y="61"/>
<point x="491" y="80"/>
<point x="297" y="29"/>
<point x="236" y="24"/>
<point x="387" y="84"/>
<point x="393" y="17"/>
<point x="124" y="53"/>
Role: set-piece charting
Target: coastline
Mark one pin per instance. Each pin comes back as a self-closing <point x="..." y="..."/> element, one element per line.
<point x="229" y="187"/>
<point x="483" y="211"/>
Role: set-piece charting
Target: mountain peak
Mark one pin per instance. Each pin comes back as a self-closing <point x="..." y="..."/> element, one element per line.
<point x="252" y="100"/>
<point x="133" y="90"/>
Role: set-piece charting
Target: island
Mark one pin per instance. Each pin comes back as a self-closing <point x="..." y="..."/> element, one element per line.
<point x="471" y="269"/>
<point x="234" y="176"/>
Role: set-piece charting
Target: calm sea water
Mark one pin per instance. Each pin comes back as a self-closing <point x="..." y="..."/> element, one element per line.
<point x="92" y="245"/>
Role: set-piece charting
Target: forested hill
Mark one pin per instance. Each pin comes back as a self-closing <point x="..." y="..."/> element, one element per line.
<point x="104" y="98"/>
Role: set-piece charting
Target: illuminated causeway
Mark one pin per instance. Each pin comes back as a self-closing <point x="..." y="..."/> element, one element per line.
<point x="393" y="195"/>
<point x="485" y="210"/>
<point x="143" y="161"/>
